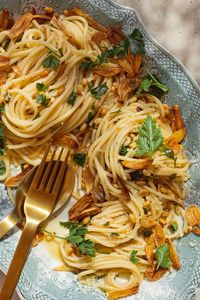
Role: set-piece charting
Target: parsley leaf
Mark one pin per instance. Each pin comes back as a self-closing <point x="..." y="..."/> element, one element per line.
<point x="87" y="248"/>
<point x="2" y="168"/>
<point x="149" y="139"/>
<point x="173" y="227"/>
<point x="90" y="117"/>
<point x="114" y="234"/>
<point x="98" y="91"/>
<point x="123" y="150"/>
<point x="169" y="153"/>
<point x="163" y="257"/>
<point x="42" y="99"/>
<point x="133" y="257"/>
<point x="72" y="98"/>
<point x="150" y="82"/>
<point x="172" y="176"/>
<point x="52" y="61"/>
<point x="145" y="85"/>
<point x="41" y="87"/>
<point x="87" y="64"/>
<point x="147" y="232"/>
<point x="77" y="237"/>
<point x="79" y="159"/>
<point x="117" y="51"/>
<point x="2" y="141"/>
<point x="2" y="109"/>
<point x="138" y="42"/>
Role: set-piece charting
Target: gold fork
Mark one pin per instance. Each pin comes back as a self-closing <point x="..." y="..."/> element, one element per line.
<point x="39" y="203"/>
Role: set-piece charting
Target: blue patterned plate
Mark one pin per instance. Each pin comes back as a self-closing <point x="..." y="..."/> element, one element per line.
<point x="38" y="281"/>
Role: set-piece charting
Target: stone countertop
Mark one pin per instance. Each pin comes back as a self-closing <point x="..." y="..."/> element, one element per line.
<point x="175" y="24"/>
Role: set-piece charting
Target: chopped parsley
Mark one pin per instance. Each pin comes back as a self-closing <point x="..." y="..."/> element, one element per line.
<point x="163" y="257"/>
<point x="72" y="98"/>
<point x="76" y="236"/>
<point x="149" y="82"/>
<point x="138" y="42"/>
<point x="2" y="168"/>
<point x="167" y="151"/>
<point x="172" y="176"/>
<point x="173" y="227"/>
<point x="79" y="159"/>
<point x="41" y="87"/>
<point x="2" y="109"/>
<point x="117" y="51"/>
<point x="98" y="91"/>
<point x="149" y="138"/>
<point x="2" y="141"/>
<point x="42" y="99"/>
<point x="52" y="60"/>
<point x="133" y="257"/>
<point x="147" y="232"/>
<point x="90" y="117"/>
<point x="123" y="150"/>
<point x="114" y="234"/>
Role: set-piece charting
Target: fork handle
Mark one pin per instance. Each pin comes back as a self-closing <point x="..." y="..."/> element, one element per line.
<point x="8" y="223"/>
<point x="18" y="260"/>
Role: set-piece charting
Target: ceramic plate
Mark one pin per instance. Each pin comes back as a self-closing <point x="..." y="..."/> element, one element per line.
<point x="38" y="281"/>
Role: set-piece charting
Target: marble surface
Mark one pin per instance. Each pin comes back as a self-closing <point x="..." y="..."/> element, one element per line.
<point x="176" y="25"/>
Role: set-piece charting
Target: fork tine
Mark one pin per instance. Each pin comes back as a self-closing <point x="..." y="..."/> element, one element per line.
<point x="58" y="181"/>
<point x="38" y="173"/>
<point x="53" y="174"/>
<point x="47" y="171"/>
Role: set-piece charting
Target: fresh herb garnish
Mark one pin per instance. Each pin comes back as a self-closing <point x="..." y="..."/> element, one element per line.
<point x="98" y="91"/>
<point x="106" y="224"/>
<point x="147" y="232"/>
<point x="138" y="42"/>
<point x="167" y="151"/>
<point x="2" y="109"/>
<point x="133" y="257"/>
<point x="123" y="150"/>
<point x="90" y="117"/>
<point x="117" y="51"/>
<point x="42" y="99"/>
<point x="87" y="64"/>
<point x="2" y="141"/>
<point x="149" y="139"/>
<point x="138" y="175"/>
<point x="149" y="82"/>
<point x="52" y="61"/>
<point x="87" y="248"/>
<point x="2" y="168"/>
<point x="79" y="159"/>
<point x="72" y="98"/>
<point x="77" y="237"/>
<point x="41" y="87"/>
<point x="163" y="257"/>
<point x="173" y="227"/>
<point x="172" y="176"/>
<point x="114" y="234"/>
